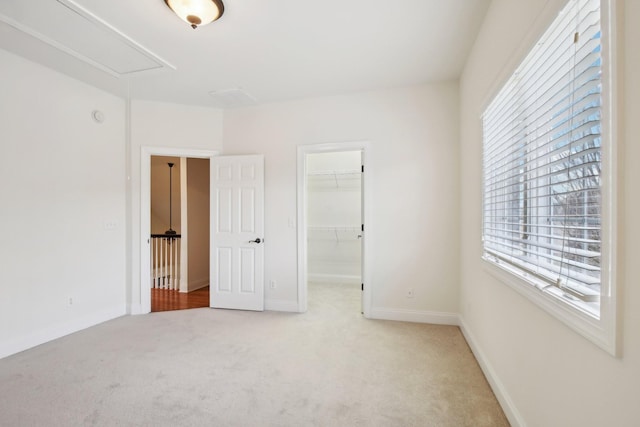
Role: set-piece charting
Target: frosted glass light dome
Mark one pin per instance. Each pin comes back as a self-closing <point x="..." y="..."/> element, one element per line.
<point x="197" y="12"/>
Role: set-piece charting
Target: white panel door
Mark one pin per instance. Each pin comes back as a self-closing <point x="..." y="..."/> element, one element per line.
<point x="237" y="232"/>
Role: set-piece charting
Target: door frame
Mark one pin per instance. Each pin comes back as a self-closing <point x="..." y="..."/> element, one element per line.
<point x="367" y="206"/>
<point x="145" y="210"/>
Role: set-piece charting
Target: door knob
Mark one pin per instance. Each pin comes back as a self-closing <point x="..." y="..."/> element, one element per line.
<point x="258" y="240"/>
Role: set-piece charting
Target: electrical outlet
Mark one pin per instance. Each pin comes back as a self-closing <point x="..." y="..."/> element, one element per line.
<point x="410" y="293"/>
<point x="70" y="301"/>
<point x="110" y="224"/>
<point x="272" y="284"/>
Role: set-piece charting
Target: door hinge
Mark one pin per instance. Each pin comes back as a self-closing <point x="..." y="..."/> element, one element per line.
<point x="362" y="168"/>
<point x="361" y="227"/>
<point x="362" y="287"/>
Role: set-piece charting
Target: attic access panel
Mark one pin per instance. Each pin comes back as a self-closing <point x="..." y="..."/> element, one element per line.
<point x="78" y="32"/>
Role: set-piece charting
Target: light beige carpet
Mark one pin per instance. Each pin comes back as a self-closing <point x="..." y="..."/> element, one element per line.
<point x="204" y="367"/>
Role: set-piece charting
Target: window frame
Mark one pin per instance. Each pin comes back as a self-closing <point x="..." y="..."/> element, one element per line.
<point x="603" y="331"/>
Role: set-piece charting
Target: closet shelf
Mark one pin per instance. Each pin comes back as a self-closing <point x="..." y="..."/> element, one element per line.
<point x="335" y="175"/>
<point x="340" y="228"/>
<point x="335" y="172"/>
<point x="339" y="232"/>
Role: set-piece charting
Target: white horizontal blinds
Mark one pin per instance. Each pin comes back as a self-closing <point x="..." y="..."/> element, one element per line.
<point x="542" y="154"/>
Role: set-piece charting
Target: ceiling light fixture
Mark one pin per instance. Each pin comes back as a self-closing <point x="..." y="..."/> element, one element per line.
<point x="170" y="230"/>
<point x="197" y="12"/>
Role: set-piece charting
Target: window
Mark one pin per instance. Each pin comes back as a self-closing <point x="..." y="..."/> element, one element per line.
<point x="545" y="144"/>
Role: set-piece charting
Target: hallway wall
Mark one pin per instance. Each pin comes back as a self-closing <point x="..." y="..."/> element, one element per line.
<point x="160" y="194"/>
<point x="198" y="222"/>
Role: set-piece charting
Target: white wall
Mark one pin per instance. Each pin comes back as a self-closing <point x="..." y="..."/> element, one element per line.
<point x="172" y="126"/>
<point x="544" y="373"/>
<point x="413" y="134"/>
<point x="63" y="205"/>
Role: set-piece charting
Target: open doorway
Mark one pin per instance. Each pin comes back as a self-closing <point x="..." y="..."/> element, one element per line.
<point x="240" y="280"/>
<point x="179" y="239"/>
<point x="333" y="211"/>
<point x="334" y="236"/>
<point x="145" y="208"/>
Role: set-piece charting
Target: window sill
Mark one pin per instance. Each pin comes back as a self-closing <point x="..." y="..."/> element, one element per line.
<point x="581" y="319"/>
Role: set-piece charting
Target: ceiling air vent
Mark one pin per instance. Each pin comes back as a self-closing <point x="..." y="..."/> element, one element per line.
<point x="232" y="98"/>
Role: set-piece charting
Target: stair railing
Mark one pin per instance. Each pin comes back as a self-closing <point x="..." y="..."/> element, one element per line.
<point x="165" y="261"/>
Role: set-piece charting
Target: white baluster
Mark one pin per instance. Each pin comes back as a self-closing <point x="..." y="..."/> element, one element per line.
<point x="177" y="264"/>
<point x="155" y="265"/>
<point x="167" y="264"/>
<point x="170" y="262"/>
<point x="174" y="245"/>
<point x="163" y="272"/>
<point x="171" y="243"/>
<point x="153" y="262"/>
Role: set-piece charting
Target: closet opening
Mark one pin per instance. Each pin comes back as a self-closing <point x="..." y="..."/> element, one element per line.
<point x="334" y="222"/>
<point x="332" y="207"/>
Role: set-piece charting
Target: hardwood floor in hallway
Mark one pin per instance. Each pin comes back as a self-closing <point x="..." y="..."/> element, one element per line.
<point x="166" y="300"/>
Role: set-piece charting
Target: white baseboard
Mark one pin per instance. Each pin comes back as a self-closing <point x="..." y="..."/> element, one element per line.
<point x="281" y="305"/>
<point x="417" y="316"/>
<point x="509" y="408"/>
<point x="194" y="285"/>
<point x="333" y="278"/>
<point x="57" y="331"/>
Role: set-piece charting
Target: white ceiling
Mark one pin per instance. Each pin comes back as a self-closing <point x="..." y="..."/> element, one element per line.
<point x="274" y="50"/>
